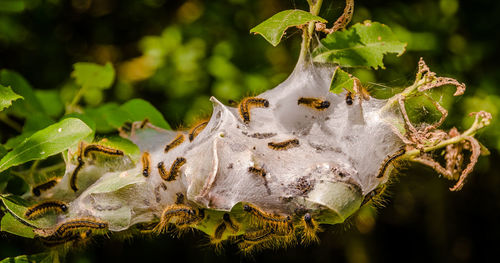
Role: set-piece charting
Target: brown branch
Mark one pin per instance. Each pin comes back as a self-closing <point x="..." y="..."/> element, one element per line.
<point x="476" y="151"/>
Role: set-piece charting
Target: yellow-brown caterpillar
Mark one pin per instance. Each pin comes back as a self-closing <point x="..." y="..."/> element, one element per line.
<point x="72" y="180"/>
<point x="55" y="240"/>
<point x="373" y="194"/>
<point x="219" y="231"/>
<point x="388" y="161"/>
<point x="281" y="224"/>
<point x="314" y="103"/>
<point x="176" y="142"/>
<point x="102" y="149"/>
<point x="196" y="130"/>
<point x="180" y="215"/>
<point x="146" y="164"/>
<point x="37" y="190"/>
<point x="174" y="169"/>
<point x="227" y="220"/>
<point x="81" y="224"/>
<point x="282" y="146"/>
<point x="257" y="171"/>
<point x="247" y="103"/>
<point x="45" y="207"/>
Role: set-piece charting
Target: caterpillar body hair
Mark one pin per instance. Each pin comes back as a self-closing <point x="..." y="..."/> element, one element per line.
<point x="78" y="225"/>
<point x="40" y="209"/>
<point x="79" y="166"/>
<point x="101" y="149"/>
<point x="196" y="130"/>
<point x="258" y="239"/>
<point x="374" y="194"/>
<point x="37" y="190"/>
<point x="389" y="160"/>
<point x="281" y="224"/>
<point x="314" y="103"/>
<point x="310" y="228"/>
<point x="175" y="142"/>
<point x="285" y="145"/>
<point x="247" y="104"/>
<point x="146" y="164"/>
<point x="174" y="169"/>
<point x="52" y="241"/>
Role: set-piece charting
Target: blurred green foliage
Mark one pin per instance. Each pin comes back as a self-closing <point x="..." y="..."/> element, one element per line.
<point x="176" y="54"/>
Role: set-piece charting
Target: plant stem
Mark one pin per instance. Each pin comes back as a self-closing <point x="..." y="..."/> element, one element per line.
<point x="75" y="100"/>
<point x="314" y="7"/>
<point x="14" y="125"/>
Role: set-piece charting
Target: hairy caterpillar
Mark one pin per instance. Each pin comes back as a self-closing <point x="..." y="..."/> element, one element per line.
<point x="146" y="164"/>
<point x="101" y="149"/>
<point x="314" y="103"/>
<point x="44" y="207"/>
<point x="176" y="142"/>
<point x="37" y="190"/>
<point x="285" y="145"/>
<point x="196" y="130"/>
<point x="388" y="161"/>
<point x="248" y="103"/>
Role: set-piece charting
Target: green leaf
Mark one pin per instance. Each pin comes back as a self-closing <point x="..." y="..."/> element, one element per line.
<point x="107" y="117"/>
<point x="41" y="258"/>
<point x="126" y="145"/>
<point x="19" y="85"/>
<point x="341" y="81"/>
<point x="90" y="75"/>
<point x="11" y="225"/>
<point x="51" y="102"/>
<point x="363" y="45"/>
<point x="273" y="28"/>
<point x="140" y="109"/>
<point x="7" y="96"/>
<point x="47" y="142"/>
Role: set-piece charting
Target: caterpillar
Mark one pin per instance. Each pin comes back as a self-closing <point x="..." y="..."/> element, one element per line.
<point x="227" y="220"/>
<point x="146" y="164"/>
<point x="314" y="103"/>
<point x="348" y="98"/>
<point x="282" y="146"/>
<point x="219" y="231"/>
<point x="282" y="224"/>
<point x="196" y="130"/>
<point x="79" y="166"/>
<point x="37" y="190"/>
<point x="174" y="169"/>
<point x="180" y="215"/>
<point x="388" y="161"/>
<point x="248" y="103"/>
<point x="40" y="209"/>
<point x="179" y="199"/>
<point x="101" y="149"/>
<point x="55" y="240"/>
<point x="77" y="225"/>
<point x="176" y="142"/>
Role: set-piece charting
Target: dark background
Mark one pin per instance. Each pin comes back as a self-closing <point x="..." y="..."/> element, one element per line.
<point x="176" y="54"/>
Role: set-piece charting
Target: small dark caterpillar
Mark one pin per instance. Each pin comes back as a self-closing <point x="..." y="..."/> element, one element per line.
<point x="282" y="224"/>
<point x="247" y="103"/>
<point x="44" y="207"/>
<point x="388" y="161"/>
<point x="176" y="142"/>
<point x="72" y="180"/>
<point x="196" y="130"/>
<point x="219" y="231"/>
<point x="256" y="239"/>
<point x="257" y="171"/>
<point x="146" y="164"/>
<point x="179" y="199"/>
<point x="348" y="98"/>
<point x="102" y="149"/>
<point x="180" y="215"/>
<point x="314" y="103"/>
<point x="37" y="190"/>
<point x="227" y="220"/>
<point x="310" y="229"/>
<point x="282" y="146"/>
<point x="78" y="225"/>
<point x="174" y="169"/>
